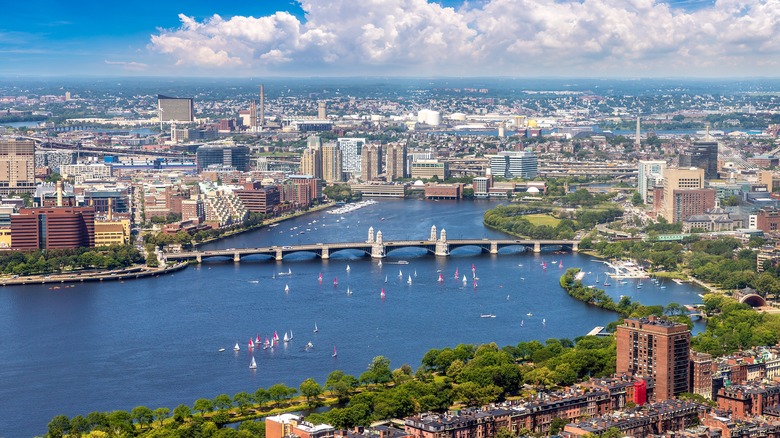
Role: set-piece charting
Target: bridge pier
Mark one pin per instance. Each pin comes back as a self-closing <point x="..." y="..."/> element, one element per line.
<point x="575" y="247"/>
<point x="442" y="249"/>
<point x="325" y="254"/>
<point x="236" y="257"/>
<point x="494" y="247"/>
<point x="377" y="251"/>
<point x="537" y="247"/>
<point x="198" y="259"/>
<point x="279" y="255"/>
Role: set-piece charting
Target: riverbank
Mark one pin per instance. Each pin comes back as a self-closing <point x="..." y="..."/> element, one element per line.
<point x="134" y="272"/>
<point x="266" y="223"/>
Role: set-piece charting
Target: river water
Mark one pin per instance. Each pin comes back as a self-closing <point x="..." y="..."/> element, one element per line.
<point x="155" y="342"/>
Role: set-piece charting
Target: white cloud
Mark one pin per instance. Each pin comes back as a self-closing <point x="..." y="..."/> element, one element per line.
<point x="491" y="37"/>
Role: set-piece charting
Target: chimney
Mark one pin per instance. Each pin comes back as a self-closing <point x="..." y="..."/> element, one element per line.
<point x="59" y="193"/>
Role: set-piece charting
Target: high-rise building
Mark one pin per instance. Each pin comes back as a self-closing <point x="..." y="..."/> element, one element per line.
<point x="227" y="156"/>
<point x="351" y="153"/>
<point x="684" y="194"/>
<point x="701" y="374"/>
<point x="427" y="169"/>
<point x="704" y="155"/>
<point x="322" y="111"/>
<point x="53" y="228"/>
<point x="656" y="348"/>
<point x="396" y="162"/>
<point x="481" y="186"/>
<point x="651" y="174"/>
<point x="311" y="158"/>
<point x="514" y="164"/>
<point x="331" y="163"/>
<point x="175" y="109"/>
<point x="17" y="166"/>
<point x="371" y="162"/>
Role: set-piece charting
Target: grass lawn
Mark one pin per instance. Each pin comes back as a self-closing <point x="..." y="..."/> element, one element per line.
<point x="542" y="219"/>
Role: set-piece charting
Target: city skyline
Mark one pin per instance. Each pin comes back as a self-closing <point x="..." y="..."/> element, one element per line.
<point x="525" y="38"/>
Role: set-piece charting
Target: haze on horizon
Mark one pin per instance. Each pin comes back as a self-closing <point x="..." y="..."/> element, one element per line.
<point x="525" y="38"/>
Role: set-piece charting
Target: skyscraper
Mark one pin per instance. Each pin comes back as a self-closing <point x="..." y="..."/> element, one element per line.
<point x="351" y="152"/>
<point x="228" y="156"/>
<point x="704" y="155"/>
<point x="331" y="163"/>
<point x="311" y="159"/>
<point x="371" y="159"/>
<point x="684" y="194"/>
<point x="322" y="111"/>
<point x="513" y="164"/>
<point x="396" y="162"/>
<point x="655" y="348"/>
<point x="651" y="174"/>
<point x="17" y="166"/>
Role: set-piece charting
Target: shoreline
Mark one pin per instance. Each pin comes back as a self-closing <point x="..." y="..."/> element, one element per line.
<point x="133" y="272"/>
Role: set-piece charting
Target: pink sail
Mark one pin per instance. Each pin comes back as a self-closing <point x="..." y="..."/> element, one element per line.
<point x="382" y="294"/>
<point x="320" y="278"/>
<point x="251" y="344"/>
<point x="441" y="279"/>
<point x="335" y="281"/>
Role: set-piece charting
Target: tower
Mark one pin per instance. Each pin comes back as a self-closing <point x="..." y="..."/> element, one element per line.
<point x="321" y="111"/>
<point x="433" y="233"/>
<point x="331" y="163"/>
<point x="637" y="139"/>
<point x="253" y="116"/>
<point x="685" y="195"/>
<point x="370" y="235"/>
<point x="17" y="166"/>
<point x="262" y="108"/>
<point x="371" y="162"/>
<point x="655" y="348"/>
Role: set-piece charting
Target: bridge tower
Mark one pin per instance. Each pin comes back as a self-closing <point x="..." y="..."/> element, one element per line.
<point x="377" y="247"/>
<point x="433" y="233"/>
<point x="442" y="247"/>
<point x="370" y="235"/>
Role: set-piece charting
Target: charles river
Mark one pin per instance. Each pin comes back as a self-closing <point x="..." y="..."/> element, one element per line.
<point x="155" y="342"/>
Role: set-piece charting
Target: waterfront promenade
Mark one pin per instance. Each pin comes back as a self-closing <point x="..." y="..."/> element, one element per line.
<point x="131" y="273"/>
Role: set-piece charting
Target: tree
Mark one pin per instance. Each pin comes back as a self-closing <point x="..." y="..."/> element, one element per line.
<point x="142" y="415"/>
<point x="223" y="401"/>
<point x="78" y="425"/>
<point x="203" y="405"/>
<point x="281" y="392"/>
<point x="58" y="426"/>
<point x="242" y="400"/>
<point x="120" y="422"/>
<point x="260" y="396"/>
<point x="181" y="413"/>
<point x="161" y="414"/>
<point x="378" y="371"/>
<point x="556" y="425"/>
<point x="311" y="390"/>
<point x="636" y="199"/>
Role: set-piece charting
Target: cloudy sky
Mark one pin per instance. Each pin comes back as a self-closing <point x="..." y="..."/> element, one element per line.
<point x="574" y="38"/>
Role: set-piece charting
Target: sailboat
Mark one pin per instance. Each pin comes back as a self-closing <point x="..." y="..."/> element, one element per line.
<point x="662" y="285"/>
<point x="334" y="351"/>
<point x="464" y="279"/>
<point x="257" y="340"/>
<point x="336" y="281"/>
<point x="606" y="282"/>
<point x="275" y="338"/>
<point x="456" y="274"/>
<point x="441" y="279"/>
<point x="320" y="277"/>
<point x="266" y="344"/>
<point x="521" y="322"/>
<point x="286" y="288"/>
<point x="415" y="273"/>
<point x="349" y="292"/>
<point x="380" y="263"/>
<point x="475" y="284"/>
<point x="382" y="294"/>
<point x="236" y="348"/>
<point x="348" y="269"/>
<point x="289" y="272"/>
<point x="409" y="280"/>
<point x="473" y="269"/>
<point x="597" y="278"/>
<point x="251" y="344"/>
<point x="385" y="278"/>
<point x="286" y="337"/>
<point x="639" y="285"/>
<point x="253" y="364"/>
<point x="544" y="321"/>
<point x="560" y="264"/>
<point x="291" y="335"/>
<point x="400" y="274"/>
<point x="315" y="328"/>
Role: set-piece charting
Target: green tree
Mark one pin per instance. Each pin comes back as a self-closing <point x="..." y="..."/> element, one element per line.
<point x="636" y="199"/>
<point x="261" y="396"/>
<point x="78" y="426"/>
<point x="223" y="401"/>
<point x="181" y="413"/>
<point x="203" y="405"/>
<point x="142" y="415"/>
<point x="281" y="392"/>
<point x="58" y="426"/>
<point x="311" y="390"/>
<point x="161" y="414"/>
<point x="120" y="422"/>
<point x="242" y="400"/>
<point x="378" y="371"/>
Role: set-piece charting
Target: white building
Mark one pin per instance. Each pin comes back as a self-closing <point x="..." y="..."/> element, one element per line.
<point x="511" y="164"/>
<point x="651" y="174"/>
<point x="351" y="153"/>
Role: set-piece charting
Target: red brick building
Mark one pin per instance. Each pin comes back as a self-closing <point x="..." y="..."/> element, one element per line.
<point x="53" y="228"/>
<point x="259" y="200"/>
<point x="656" y="348"/>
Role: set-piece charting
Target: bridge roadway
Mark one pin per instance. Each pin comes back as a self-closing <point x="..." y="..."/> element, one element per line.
<point x="375" y="249"/>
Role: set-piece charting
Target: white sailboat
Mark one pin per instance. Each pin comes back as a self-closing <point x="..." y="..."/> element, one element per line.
<point x="409" y="280"/>
<point x="349" y="292"/>
<point x="385" y="278"/>
<point x="348" y="269"/>
<point x="286" y="337"/>
<point x="236" y="348"/>
<point x="415" y="273"/>
<point x="253" y="364"/>
<point x="334" y="351"/>
<point x="464" y="279"/>
<point x="400" y="274"/>
<point x="380" y="263"/>
<point x="315" y="328"/>
<point x="286" y="288"/>
<point x="291" y="335"/>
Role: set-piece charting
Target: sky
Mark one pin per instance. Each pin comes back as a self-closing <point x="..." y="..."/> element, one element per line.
<point x="321" y="38"/>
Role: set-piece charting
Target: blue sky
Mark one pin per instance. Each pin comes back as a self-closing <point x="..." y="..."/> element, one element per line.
<point x="600" y="38"/>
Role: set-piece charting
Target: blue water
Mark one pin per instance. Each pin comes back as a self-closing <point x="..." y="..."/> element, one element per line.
<point x="155" y="342"/>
